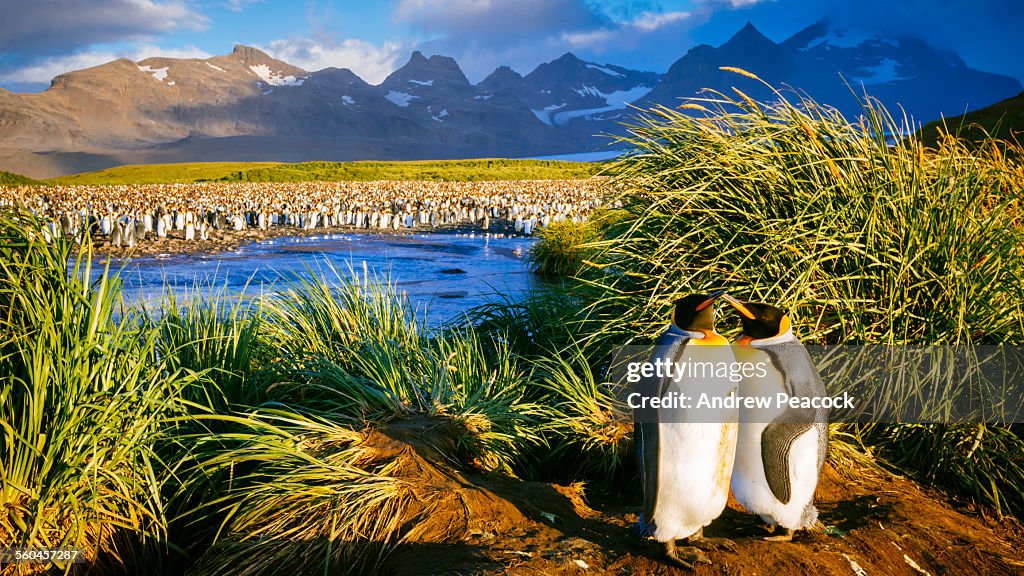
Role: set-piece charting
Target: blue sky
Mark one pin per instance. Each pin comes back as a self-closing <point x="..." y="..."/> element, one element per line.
<point x="42" y="38"/>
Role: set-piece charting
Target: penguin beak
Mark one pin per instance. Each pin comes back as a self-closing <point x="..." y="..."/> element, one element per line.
<point x="711" y="300"/>
<point x="739" y="306"/>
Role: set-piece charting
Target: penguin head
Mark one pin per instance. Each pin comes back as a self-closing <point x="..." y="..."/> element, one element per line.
<point x="760" y="320"/>
<point x="696" y="312"/>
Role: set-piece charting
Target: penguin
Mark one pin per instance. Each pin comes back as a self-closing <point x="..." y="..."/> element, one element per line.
<point x="140" y="230"/>
<point x="116" y="233"/>
<point x="129" y="233"/>
<point x="781" y="449"/>
<point x="685" y="458"/>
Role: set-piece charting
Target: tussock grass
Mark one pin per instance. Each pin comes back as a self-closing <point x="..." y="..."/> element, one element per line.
<point x="862" y="241"/>
<point x="297" y="494"/>
<point x="82" y="400"/>
<point x="373" y="359"/>
<point x="215" y="335"/>
<point x="562" y="249"/>
<point x="591" y="428"/>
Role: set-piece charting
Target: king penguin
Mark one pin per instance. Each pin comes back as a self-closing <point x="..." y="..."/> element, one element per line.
<point x="781" y="449"/>
<point x="685" y="456"/>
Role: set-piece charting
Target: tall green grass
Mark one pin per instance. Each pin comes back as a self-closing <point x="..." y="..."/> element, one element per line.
<point x="82" y="400"/>
<point x="216" y="335"/>
<point x="861" y="240"/>
<point x="562" y="249"/>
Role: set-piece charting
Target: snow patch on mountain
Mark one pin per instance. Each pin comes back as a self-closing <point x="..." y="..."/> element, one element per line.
<point x="545" y="114"/>
<point x="348" y="100"/>
<point x="215" y="67"/>
<point x="400" y="98"/>
<point x="158" y="73"/>
<point x="422" y="82"/>
<point x="607" y="71"/>
<point x="563" y="118"/>
<point x="617" y="98"/>
<point x="440" y="116"/>
<point x="839" y="39"/>
<point x="884" y="71"/>
<point x="275" y="78"/>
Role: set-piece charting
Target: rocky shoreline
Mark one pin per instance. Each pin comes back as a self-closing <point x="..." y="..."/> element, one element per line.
<point x="229" y="240"/>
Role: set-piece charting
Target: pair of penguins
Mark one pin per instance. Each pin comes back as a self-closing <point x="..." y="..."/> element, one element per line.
<point x="771" y="456"/>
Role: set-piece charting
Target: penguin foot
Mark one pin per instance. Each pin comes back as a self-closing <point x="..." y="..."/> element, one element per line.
<point x="684" y="557"/>
<point x="712" y="543"/>
<point x="785" y="537"/>
<point x="698" y="540"/>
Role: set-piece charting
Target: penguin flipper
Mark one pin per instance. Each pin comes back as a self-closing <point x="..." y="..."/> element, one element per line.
<point x="776" y="441"/>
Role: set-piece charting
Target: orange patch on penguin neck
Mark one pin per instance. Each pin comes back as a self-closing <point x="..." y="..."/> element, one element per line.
<point x="784" y="325"/>
<point x="711" y="338"/>
<point x="744" y="340"/>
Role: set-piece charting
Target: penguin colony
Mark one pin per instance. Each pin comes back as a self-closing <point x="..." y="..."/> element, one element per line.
<point x="771" y="457"/>
<point x="128" y="215"/>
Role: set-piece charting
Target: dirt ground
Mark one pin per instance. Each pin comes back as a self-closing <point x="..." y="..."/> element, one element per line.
<point x="873" y="523"/>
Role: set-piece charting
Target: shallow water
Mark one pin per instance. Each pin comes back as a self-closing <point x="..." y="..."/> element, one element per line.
<point x="423" y="266"/>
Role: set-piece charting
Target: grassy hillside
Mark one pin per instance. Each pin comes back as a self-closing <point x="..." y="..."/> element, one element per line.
<point x="161" y="173"/>
<point x="12" y="179"/>
<point x="1003" y="120"/>
<point x="468" y="170"/>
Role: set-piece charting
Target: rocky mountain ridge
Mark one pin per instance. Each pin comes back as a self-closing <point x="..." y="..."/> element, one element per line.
<point x="247" y="105"/>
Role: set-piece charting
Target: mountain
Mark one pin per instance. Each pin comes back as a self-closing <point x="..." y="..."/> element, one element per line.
<point x="247" y="105"/>
<point x="832" y="64"/>
<point x="1003" y="120"/>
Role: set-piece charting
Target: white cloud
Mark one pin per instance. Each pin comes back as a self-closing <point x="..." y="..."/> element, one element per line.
<point x="239" y="5"/>
<point x="369" y="61"/>
<point x="590" y="38"/>
<point x="499" y="23"/>
<point x="627" y="34"/>
<point x="56" y="26"/>
<point x="44" y="70"/>
<point x="652" y="21"/>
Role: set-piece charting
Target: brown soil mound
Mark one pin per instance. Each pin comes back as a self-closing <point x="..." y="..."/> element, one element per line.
<point x="875" y="523"/>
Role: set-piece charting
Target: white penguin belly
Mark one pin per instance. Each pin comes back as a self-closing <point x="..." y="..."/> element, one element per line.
<point x="693" y="477"/>
<point x="697" y="450"/>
